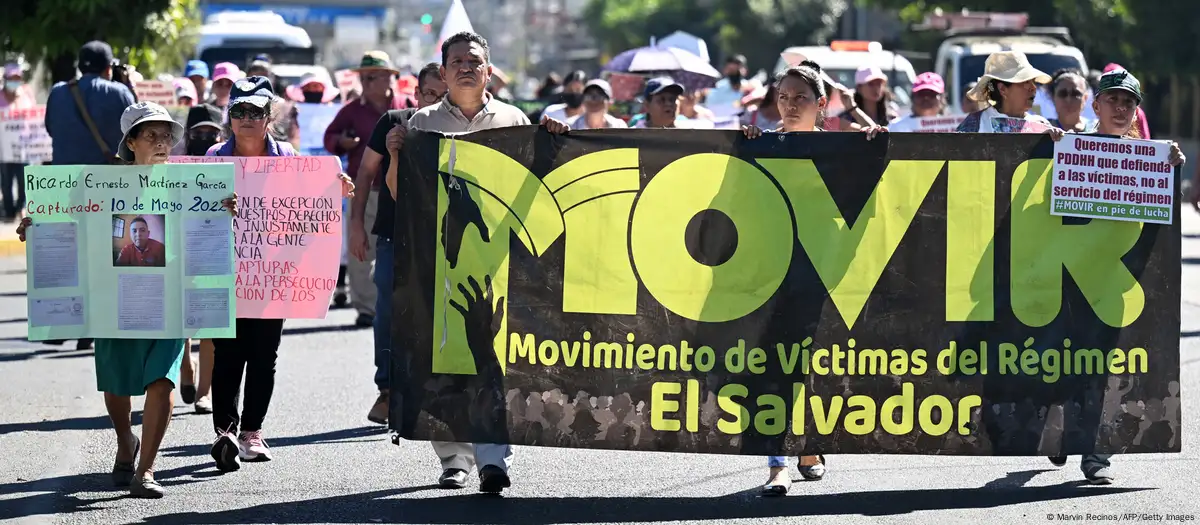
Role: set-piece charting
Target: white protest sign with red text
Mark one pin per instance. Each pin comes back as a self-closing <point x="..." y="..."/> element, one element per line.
<point x="1119" y="179"/>
<point x="23" y="137"/>
<point x="287" y="234"/>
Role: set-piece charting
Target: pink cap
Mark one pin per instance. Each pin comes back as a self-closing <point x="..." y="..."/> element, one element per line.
<point x="930" y="81"/>
<point x="12" y="70"/>
<point x="227" y="70"/>
<point x="184" y="88"/>
<point x="867" y="74"/>
<point x="1112" y="67"/>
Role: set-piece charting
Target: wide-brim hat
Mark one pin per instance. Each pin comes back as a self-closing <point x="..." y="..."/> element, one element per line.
<point x="141" y="113"/>
<point x="296" y="91"/>
<point x="376" y="61"/>
<point x="1006" y="66"/>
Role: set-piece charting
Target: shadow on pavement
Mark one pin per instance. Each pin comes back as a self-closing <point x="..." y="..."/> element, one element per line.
<point x="1015" y="479"/>
<point x="51" y="353"/>
<point x="57" y="495"/>
<point x="12" y="294"/>
<point x="348" y="435"/>
<point x="382" y="507"/>
<point x="304" y="330"/>
<point x="75" y="423"/>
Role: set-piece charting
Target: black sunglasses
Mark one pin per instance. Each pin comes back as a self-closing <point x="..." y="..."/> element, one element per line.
<point x="247" y="112"/>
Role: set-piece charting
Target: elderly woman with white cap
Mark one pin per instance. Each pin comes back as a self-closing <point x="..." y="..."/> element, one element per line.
<point x="1008" y="85"/>
<point x="596" y="99"/>
<point x="132" y="367"/>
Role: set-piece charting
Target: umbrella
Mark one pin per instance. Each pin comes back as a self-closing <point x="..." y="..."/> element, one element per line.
<point x="686" y="68"/>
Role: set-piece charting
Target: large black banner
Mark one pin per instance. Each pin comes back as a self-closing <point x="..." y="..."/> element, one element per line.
<point x="695" y="291"/>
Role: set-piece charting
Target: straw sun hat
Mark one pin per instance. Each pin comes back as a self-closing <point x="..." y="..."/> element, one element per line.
<point x="1006" y="66"/>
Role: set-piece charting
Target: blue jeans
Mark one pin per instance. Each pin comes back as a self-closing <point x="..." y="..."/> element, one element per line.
<point x="777" y="461"/>
<point x="384" y="270"/>
<point x="1094" y="461"/>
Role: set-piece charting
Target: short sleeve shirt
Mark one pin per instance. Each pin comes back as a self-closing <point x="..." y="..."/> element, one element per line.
<point x="385" y="217"/>
<point x="445" y="117"/>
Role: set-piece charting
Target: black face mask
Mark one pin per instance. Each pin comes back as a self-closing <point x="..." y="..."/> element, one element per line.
<point x="735" y="77"/>
<point x="313" y="97"/>
<point x="198" y="147"/>
<point x="572" y="100"/>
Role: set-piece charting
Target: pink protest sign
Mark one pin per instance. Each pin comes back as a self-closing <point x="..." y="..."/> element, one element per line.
<point x="288" y="234"/>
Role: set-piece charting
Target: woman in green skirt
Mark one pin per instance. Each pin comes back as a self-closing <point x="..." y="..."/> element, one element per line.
<point x="132" y="367"/>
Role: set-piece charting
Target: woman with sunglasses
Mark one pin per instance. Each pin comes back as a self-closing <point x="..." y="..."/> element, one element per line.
<point x="1070" y="91"/>
<point x="255" y="348"/>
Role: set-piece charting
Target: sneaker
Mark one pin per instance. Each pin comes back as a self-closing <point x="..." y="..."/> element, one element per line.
<point x="253" y="448"/>
<point x="1057" y="461"/>
<point x="1098" y="475"/>
<point x="225" y="452"/>
<point x="379" y="411"/>
<point x="493" y="479"/>
<point x="364" y="321"/>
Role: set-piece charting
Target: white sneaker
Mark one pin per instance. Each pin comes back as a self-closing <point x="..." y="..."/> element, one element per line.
<point x="252" y="447"/>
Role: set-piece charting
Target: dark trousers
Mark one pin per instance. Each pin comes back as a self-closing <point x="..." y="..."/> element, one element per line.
<point x="252" y="352"/>
<point x="10" y="175"/>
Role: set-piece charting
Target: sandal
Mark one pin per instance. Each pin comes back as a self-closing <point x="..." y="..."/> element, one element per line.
<point x="813" y="472"/>
<point x="778" y="485"/>
<point x="122" y="473"/>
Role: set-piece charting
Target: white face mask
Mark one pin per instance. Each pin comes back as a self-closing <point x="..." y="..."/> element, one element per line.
<point x="12" y="85"/>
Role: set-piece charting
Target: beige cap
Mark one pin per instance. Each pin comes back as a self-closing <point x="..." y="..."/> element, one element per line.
<point x="1006" y="66"/>
<point x="143" y="112"/>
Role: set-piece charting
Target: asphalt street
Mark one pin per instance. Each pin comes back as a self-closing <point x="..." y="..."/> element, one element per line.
<point x="332" y="466"/>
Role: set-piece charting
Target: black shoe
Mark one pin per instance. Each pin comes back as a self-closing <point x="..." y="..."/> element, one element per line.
<point x="188" y="394"/>
<point x="83" y="344"/>
<point x="493" y="479"/>
<point x="453" y="478"/>
<point x="54" y="342"/>
<point x="122" y="473"/>
<point x="225" y="453"/>
<point x="1057" y="461"/>
<point x="364" y="321"/>
<point x="340" y="300"/>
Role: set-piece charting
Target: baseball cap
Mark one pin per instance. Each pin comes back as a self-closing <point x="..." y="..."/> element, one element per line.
<point x="655" y="86"/>
<point x="227" y="70"/>
<point x="603" y="85"/>
<point x="929" y="81"/>
<point x="1121" y="80"/>
<point x="141" y="113"/>
<point x="196" y="67"/>
<point x="255" y="91"/>
<point x="184" y="88"/>
<point x="868" y="74"/>
<point x="736" y="59"/>
<point x="95" y="56"/>
<point x="204" y="115"/>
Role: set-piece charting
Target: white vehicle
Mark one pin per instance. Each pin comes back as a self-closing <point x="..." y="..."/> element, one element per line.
<point x="961" y="56"/>
<point x="842" y="58"/>
<point x="239" y="36"/>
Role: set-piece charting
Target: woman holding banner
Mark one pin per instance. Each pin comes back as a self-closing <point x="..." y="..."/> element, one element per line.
<point x="801" y="101"/>
<point x="254" y="350"/>
<point x="1116" y="104"/>
<point x="134" y="367"/>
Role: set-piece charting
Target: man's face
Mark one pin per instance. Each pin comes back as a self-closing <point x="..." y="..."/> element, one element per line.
<point x="139" y="233"/>
<point x="734" y="68"/>
<point x="664" y="106"/>
<point x="432" y="91"/>
<point x="466" y="67"/>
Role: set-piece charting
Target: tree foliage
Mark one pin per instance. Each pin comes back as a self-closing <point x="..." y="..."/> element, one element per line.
<point x="153" y="35"/>
<point x="759" y="29"/>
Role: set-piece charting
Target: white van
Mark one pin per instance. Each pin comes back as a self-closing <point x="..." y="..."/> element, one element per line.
<point x="842" y="58"/>
<point x="239" y="36"/>
<point x="961" y="56"/>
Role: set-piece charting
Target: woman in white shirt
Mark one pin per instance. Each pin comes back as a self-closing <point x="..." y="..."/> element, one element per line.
<point x="596" y="98"/>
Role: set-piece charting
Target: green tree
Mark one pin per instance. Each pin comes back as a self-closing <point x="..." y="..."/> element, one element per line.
<point x="759" y="29"/>
<point x="153" y="35"/>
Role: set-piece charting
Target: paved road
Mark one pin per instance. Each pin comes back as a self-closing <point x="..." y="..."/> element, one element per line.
<point x="332" y="466"/>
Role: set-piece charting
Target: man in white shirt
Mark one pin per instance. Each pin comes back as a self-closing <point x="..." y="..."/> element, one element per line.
<point x="725" y="100"/>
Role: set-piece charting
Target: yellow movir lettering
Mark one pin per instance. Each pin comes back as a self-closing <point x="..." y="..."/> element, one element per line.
<point x="970" y="229"/>
<point x="850" y="259"/>
<point x="1042" y="245"/>
<point x="747" y="197"/>
<point x="596" y="194"/>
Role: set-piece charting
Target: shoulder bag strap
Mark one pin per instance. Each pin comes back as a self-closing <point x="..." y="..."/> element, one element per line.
<point x="87" y="119"/>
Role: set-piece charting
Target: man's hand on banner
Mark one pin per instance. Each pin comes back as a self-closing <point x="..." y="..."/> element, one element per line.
<point x="347" y="185"/>
<point x="557" y="127"/>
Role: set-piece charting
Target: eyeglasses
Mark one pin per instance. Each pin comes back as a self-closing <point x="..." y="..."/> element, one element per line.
<point x="203" y="135"/>
<point x="431" y="96"/>
<point x="247" y="112"/>
<point x="1069" y="93"/>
